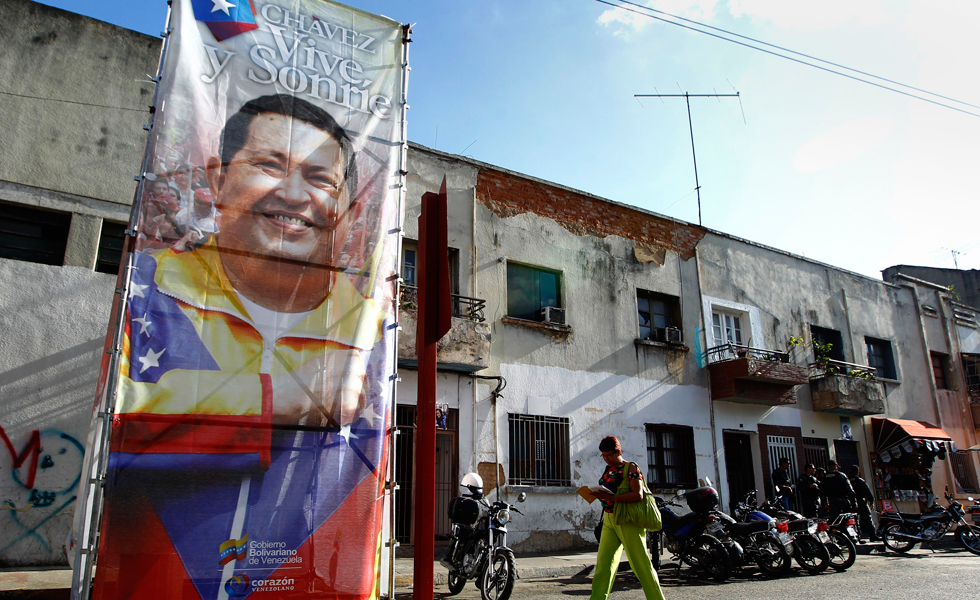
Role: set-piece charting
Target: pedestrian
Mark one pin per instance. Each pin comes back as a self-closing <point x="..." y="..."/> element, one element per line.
<point x="616" y="536"/>
<point x="838" y="493"/>
<point x="782" y="484"/>
<point x="864" y="500"/>
<point x="808" y="492"/>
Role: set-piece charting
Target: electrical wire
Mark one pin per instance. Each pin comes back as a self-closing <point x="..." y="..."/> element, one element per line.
<point x="796" y="60"/>
<point x="142" y="110"/>
<point x="784" y="49"/>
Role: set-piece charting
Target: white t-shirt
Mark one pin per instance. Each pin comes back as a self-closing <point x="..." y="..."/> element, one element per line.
<point x="271" y="324"/>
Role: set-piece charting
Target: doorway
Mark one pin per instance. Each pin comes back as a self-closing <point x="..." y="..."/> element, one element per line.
<point x="738" y="464"/>
<point x="447" y="459"/>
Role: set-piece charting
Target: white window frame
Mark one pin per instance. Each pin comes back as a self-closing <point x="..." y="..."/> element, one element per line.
<point x="750" y="321"/>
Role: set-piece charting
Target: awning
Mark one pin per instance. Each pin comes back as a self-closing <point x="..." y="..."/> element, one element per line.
<point x="890" y="432"/>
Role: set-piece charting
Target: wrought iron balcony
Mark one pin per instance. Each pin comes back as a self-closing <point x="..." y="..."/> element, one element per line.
<point x="845" y="388"/>
<point x="464" y="307"/>
<point x="753" y="375"/>
<point x="465" y="348"/>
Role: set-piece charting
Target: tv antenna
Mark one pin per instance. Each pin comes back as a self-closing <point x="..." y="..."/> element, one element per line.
<point x="955" y="253"/>
<point x="687" y="97"/>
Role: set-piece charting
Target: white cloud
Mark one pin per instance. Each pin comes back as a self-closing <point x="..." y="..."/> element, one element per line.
<point x="625" y="20"/>
<point x="811" y="15"/>
<point x="843" y="143"/>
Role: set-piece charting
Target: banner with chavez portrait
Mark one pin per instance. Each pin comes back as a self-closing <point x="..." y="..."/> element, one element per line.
<point x="248" y="447"/>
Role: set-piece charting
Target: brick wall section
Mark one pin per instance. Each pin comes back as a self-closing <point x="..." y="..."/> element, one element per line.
<point x="507" y="194"/>
<point x="764" y="432"/>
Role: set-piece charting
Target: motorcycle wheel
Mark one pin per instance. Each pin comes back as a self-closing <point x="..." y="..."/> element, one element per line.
<point x="842" y="551"/>
<point x="712" y="557"/>
<point x="896" y="544"/>
<point x="969" y="537"/>
<point x="811" y="554"/>
<point x="498" y="582"/>
<point x="772" y="557"/>
<point x="654" y="547"/>
<point x="456" y="583"/>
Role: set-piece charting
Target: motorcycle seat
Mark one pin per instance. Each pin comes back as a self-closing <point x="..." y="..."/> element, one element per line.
<point x="744" y="529"/>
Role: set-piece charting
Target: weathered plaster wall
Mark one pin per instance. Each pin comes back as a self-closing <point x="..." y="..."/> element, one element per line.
<point x="53" y="324"/>
<point x="76" y="98"/>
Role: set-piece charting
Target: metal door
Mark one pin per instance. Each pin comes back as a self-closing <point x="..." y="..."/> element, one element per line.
<point x="781" y="446"/>
<point x="847" y="454"/>
<point x="738" y="464"/>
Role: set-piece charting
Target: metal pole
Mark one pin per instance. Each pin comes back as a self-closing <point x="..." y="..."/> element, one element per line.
<point x="690" y="124"/>
<point x="91" y="498"/>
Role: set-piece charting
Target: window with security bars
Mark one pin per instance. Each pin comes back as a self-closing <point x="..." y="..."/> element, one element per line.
<point x="670" y="457"/>
<point x="815" y="452"/>
<point x="33" y="235"/>
<point x="963" y="470"/>
<point x="539" y="450"/>
<point x="971" y="368"/>
<point x="110" y="247"/>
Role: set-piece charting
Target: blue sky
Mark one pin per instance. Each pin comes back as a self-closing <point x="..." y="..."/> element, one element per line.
<point x="832" y="169"/>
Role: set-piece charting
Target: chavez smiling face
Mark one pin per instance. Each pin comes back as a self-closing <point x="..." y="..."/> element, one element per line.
<point x="281" y="194"/>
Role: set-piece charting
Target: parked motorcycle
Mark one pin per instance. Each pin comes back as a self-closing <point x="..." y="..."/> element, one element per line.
<point x="810" y="549"/>
<point x="760" y="540"/>
<point x="842" y="531"/>
<point x="902" y="531"/>
<point x="478" y="546"/>
<point x="689" y="537"/>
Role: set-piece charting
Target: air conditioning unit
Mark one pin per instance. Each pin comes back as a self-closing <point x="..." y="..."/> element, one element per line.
<point x="552" y="314"/>
<point x="658" y="334"/>
<point x="672" y="335"/>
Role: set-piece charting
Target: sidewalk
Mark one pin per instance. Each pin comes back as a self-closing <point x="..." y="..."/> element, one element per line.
<point x="529" y="566"/>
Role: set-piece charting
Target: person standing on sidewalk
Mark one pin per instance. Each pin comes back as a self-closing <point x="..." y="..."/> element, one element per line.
<point x="864" y="499"/>
<point x="616" y="536"/>
<point x="838" y="491"/>
<point x="782" y="484"/>
<point x="808" y="491"/>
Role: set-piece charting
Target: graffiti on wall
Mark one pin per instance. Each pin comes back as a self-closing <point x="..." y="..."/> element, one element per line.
<point x="38" y="486"/>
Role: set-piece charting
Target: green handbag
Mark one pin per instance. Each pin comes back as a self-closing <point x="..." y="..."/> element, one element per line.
<point x="644" y="513"/>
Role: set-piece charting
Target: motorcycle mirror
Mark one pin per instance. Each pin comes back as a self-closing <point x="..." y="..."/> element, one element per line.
<point x="522" y="497"/>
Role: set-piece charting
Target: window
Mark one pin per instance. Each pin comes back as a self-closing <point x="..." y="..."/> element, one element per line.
<point x="530" y="289"/>
<point x="539" y="450"/>
<point x="971" y="368"/>
<point x="880" y="357"/>
<point x="33" y="235"/>
<point x="726" y="328"/>
<point x="110" y="247"/>
<point x="670" y="457"/>
<point x="940" y="367"/>
<point x="963" y="470"/>
<point x="823" y="336"/>
<point x="656" y="313"/>
<point x="410" y="253"/>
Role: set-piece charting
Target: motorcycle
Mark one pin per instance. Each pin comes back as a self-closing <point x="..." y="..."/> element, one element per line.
<point x="902" y="531"/>
<point x="810" y="544"/>
<point x="760" y="541"/>
<point x="478" y="545"/>
<point x="842" y="530"/>
<point x="690" y="538"/>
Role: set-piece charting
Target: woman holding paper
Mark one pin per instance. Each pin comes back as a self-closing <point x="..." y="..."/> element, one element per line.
<point x="616" y="536"/>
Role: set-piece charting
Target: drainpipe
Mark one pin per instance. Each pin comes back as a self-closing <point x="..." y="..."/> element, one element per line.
<point x="474" y="292"/>
<point x="494" y="394"/>
<point x="711" y="402"/>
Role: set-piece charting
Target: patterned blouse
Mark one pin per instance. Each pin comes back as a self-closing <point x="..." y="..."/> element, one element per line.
<point x="611" y="478"/>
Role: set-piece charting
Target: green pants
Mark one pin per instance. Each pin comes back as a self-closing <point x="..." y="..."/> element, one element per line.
<point x="611" y="543"/>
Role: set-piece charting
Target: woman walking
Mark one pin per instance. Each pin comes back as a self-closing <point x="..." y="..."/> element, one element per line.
<point x="616" y="536"/>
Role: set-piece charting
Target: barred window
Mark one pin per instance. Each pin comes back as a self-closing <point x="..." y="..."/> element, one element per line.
<point x="110" y="247"/>
<point x="539" y="450"/>
<point x="33" y="234"/>
<point x="962" y="464"/>
<point x="670" y="457"/>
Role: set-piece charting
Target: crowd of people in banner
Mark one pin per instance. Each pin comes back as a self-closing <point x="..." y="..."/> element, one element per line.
<point x="820" y="492"/>
<point x="178" y="209"/>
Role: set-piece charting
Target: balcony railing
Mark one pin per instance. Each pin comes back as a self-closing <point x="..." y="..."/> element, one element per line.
<point x="838" y="367"/>
<point x="732" y="351"/>
<point x="464" y="307"/>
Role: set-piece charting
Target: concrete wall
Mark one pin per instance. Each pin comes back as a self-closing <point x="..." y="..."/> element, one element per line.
<point x="965" y="284"/>
<point x="71" y="139"/>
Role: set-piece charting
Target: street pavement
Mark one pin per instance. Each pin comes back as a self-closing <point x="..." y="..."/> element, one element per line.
<point x="949" y="572"/>
<point x="946" y="573"/>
